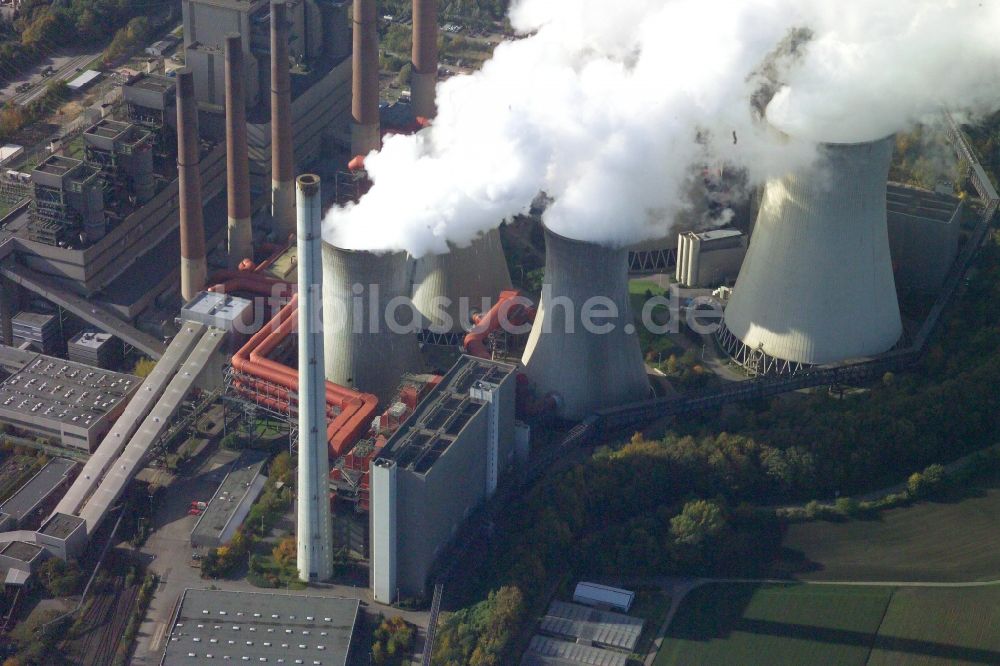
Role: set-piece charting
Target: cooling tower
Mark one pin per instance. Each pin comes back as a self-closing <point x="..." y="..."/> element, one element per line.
<point x="585" y="369"/>
<point x="314" y="544"/>
<point x="816" y="285"/>
<point x="473" y="273"/>
<point x="362" y="349"/>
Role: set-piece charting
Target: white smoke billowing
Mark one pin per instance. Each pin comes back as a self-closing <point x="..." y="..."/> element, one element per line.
<point x="609" y="108"/>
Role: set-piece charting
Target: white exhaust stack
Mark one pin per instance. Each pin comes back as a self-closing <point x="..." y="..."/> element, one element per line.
<point x="314" y="546"/>
<point x="585" y="370"/>
<point x="816" y="286"/>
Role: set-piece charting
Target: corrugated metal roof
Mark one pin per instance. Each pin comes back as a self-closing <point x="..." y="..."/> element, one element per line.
<point x="592" y="625"/>
<point x="545" y="651"/>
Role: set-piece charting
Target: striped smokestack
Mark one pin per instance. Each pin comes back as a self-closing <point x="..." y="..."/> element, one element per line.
<point x="364" y="104"/>
<point x="237" y="162"/>
<point x="425" y="57"/>
<point x="193" y="264"/>
<point x="282" y="159"/>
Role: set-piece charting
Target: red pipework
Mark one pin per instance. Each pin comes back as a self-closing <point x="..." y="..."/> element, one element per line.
<point x="356" y="409"/>
<point x="509" y="308"/>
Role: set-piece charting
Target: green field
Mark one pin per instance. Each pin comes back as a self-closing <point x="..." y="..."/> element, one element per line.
<point x="774" y="624"/>
<point x="750" y="624"/>
<point x="939" y="626"/>
<point x="956" y="539"/>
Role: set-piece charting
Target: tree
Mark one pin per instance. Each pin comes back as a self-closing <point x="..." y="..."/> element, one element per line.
<point x="285" y="552"/>
<point x="143" y="367"/>
<point x="58" y="577"/>
<point x="403" y="78"/>
<point x="281" y="468"/>
<point x="698" y="521"/>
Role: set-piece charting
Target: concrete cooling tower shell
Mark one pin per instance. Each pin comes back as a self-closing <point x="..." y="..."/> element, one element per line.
<point x="816" y="286"/>
<point x="361" y="349"/>
<point x="587" y="370"/>
<point x="476" y="272"/>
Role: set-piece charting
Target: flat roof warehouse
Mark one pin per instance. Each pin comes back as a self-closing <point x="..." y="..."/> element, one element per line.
<point x="213" y="626"/>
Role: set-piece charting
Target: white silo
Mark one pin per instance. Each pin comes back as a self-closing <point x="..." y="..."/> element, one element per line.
<point x="816" y="286"/>
<point x="362" y="292"/>
<point x="583" y="369"/>
<point x="476" y="273"/>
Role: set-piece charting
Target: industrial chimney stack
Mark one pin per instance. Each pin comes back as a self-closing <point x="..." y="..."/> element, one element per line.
<point x="282" y="158"/>
<point x="425" y="58"/>
<point x="314" y="539"/>
<point x="194" y="267"/>
<point x="240" y="234"/>
<point x="365" y="135"/>
<point x="585" y="370"/>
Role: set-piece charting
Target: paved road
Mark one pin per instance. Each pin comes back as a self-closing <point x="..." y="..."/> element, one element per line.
<point x="65" y="66"/>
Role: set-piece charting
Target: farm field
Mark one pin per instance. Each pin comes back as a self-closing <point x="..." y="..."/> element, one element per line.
<point x="746" y="623"/>
<point x="935" y="627"/>
<point x="774" y="624"/>
<point x="952" y="540"/>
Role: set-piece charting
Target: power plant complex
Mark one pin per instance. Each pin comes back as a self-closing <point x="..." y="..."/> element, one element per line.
<point x="407" y="394"/>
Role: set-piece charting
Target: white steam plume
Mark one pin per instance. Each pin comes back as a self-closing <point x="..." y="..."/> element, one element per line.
<point x="609" y="107"/>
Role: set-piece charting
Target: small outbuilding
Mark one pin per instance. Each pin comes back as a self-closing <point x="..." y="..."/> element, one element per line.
<point x="603" y="596"/>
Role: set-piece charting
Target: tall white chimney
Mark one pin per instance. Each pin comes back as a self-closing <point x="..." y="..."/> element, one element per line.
<point x="315" y="548"/>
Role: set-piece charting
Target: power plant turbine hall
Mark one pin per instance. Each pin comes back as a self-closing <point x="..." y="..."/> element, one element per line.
<point x="362" y="349"/>
<point x="585" y="370"/>
<point x="314" y="539"/>
<point x="817" y="285"/>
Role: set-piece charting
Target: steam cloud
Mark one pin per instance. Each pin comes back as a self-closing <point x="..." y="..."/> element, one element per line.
<point x="611" y="108"/>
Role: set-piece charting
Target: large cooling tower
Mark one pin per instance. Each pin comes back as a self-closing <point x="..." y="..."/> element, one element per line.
<point x="362" y="350"/>
<point x="473" y="273"/>
<point x="587" y="370"/>
<point x="816" y="285"/>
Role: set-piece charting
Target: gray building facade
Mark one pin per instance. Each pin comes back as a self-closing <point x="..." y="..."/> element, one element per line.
<point x="442" y="463"/>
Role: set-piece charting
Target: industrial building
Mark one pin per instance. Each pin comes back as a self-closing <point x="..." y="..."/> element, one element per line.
<point x="65" y="401"/>
<point x="545" y="651"/>
<point x="589" y="626"/>
<point x="231" y="502"/>
<point x="318" y="45"/>
<point x="441" y="463"/>
<point x="585" y="370"/>
<point x="215" y="626"/>
<point x="20" y="557"/>
<point x="709" y="258"/>
<point x="21" y="508"/>
<point x="924" y="230"/>
<point x="817" y="285"/>
<point x="96" y="349"/>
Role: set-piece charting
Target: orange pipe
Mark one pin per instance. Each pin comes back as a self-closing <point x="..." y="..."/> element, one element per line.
<point x="475" y="340"/>
<point x="356" y="409"/>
